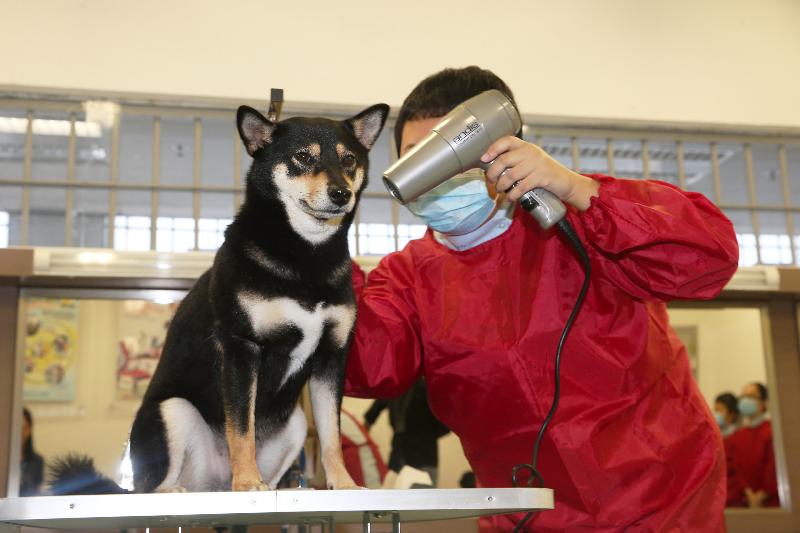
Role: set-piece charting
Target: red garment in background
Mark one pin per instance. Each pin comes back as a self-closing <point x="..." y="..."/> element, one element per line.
<point x="633" y="444"/>
<point x="362" y="458"/>
<point x="736" y="483"/>
<point x="752" y="456"/>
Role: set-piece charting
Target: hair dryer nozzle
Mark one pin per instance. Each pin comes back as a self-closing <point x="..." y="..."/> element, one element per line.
<point x="394" y="191"/>
<point x="454" y="145"/>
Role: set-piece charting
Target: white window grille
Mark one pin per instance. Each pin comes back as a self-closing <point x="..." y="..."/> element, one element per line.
<point x="131" y="233"/>
<point x="407" y="232"/>
<point x="186" y="162"/>
<point x="4" y="221"/>
<point x="211" y="232"/>
<point x="378" y="239"/>
<point x="174" y="234"/>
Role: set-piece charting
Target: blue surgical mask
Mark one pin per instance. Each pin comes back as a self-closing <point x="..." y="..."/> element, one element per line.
<point x="457" y="206"/>
<point x="748" y="406"/>
<point x="720" y="420"/>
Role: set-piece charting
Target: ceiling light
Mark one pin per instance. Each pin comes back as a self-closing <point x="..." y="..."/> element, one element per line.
<point x="42" y="126"/>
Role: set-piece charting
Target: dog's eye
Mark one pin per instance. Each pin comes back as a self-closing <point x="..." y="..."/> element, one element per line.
<point x="349" y="161"/>
<point x="304" y="158"/>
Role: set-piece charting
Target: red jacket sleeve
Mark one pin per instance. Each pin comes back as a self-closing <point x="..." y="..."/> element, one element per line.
<point x="385" y="356"/>
<point x="657" y="242"/>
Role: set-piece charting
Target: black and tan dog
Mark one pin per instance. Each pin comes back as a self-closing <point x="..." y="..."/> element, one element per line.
<point x="274" y="312"/>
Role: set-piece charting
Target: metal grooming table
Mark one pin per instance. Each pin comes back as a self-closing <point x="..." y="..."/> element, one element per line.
<point x="302" y="506"/>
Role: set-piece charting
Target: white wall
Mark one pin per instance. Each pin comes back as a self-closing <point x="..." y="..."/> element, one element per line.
<point x="730" y="347"/>
<point x="711" y="61"/>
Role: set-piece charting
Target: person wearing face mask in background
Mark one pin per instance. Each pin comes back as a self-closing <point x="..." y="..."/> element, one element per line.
<point x="751" y="450"/>
<point x="477" y="305"/>
<point x="31" y="464"/>
<point x="726" y="411"/>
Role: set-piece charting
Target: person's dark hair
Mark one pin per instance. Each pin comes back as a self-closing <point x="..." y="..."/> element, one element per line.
<point x="762" y="391"/>
<point x="438" y="94"/>
<point x="27" y="448"/>
<point x="728" y="399"/>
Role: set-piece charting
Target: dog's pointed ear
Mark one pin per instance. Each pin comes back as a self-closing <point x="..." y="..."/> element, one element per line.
<point x="367" y="125"/>
<point x="254" y="129"/>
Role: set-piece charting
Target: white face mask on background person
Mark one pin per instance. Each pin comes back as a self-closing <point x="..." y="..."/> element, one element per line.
<point x="720" y="420"/>
<point x="457" y="206"/>
<point x="748" y="406"/>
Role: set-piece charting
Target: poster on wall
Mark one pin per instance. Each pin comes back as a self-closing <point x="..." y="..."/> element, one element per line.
<point x="142" y="330"/>
<point x="688" y="334"/>
<point x="51" y="350"/>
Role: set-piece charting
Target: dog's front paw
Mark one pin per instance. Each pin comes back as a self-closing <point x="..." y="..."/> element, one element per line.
<point x="342" y="482"/>
<point x="249" y="485"/>
<point x="167" y="490"/>
<point x="352" y="486"/>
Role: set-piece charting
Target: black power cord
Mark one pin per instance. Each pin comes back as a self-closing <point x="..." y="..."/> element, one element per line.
<point x="567" y="229"/>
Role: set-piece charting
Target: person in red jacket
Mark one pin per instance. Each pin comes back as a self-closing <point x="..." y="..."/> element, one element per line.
<point x="726" y="411"/>
<point x="477" y="306"/>
<point x="752" y="453"/>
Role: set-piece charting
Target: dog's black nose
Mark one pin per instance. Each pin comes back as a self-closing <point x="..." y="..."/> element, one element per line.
<point x="339" y="195"/>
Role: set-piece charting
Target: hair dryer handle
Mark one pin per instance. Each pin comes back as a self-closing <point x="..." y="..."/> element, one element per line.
<point x="545" y="207"/>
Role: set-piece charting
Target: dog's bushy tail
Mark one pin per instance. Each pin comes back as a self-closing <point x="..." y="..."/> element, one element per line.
<point x="75" y="473"/>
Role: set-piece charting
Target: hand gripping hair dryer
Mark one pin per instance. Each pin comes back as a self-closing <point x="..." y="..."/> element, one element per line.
<point x="456" y="145"/>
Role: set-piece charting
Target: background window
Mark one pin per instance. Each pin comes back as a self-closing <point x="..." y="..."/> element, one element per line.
<point x="3" y="229"/>
<point x="131" y="233"/>
<point x="95" y="179"/>
<point x="174" y="234"/>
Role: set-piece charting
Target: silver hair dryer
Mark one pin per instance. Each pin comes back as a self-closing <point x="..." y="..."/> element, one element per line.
<point x="456" y="144"/>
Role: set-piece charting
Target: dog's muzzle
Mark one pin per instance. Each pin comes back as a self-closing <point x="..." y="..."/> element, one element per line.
<point x="339" y="195"/>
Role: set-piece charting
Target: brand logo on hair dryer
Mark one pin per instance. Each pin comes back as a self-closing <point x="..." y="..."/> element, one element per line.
<point x="468" y="132"/>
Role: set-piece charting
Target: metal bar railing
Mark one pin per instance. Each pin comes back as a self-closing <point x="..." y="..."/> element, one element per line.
<point x="576" y="164"/>
<point x="651" y="163"/>
<point x="787" y="199"/>
<point x="68" y="210"/>
<point x="237" y="171"/>
<point x="681" y="165"/>
<point x="112" y="197"/>
<point x="610" y="156"/>
<point x="751" y="194"/>
<point x="27" y="171"/>
<point x="196" y="174"/>
<point x="155" y="179"/>
<point x="715" y="173"/>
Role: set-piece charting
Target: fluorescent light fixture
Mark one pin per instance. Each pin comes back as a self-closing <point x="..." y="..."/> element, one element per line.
<point x="101" y="111"/>
<point x="163" y="266"/>
<point x="95" y="258"/>
<point x="42" y="126"/>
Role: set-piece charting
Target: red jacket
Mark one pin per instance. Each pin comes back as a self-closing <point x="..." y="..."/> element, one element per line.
<point x="633" y="444"/>
<point x="752" y="457"/>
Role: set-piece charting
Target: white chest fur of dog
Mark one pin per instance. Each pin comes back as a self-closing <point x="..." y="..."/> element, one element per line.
<point x="268" y="314"/>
